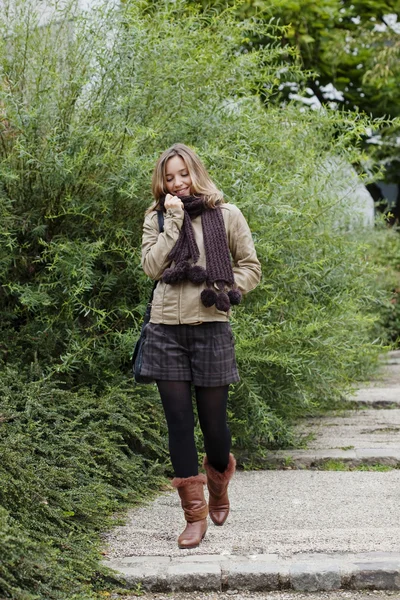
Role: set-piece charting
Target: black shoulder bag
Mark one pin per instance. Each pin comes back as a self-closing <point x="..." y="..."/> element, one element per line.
<point x="138" y="351"/>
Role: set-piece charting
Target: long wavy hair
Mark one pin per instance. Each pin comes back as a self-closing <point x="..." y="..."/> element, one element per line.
<point x="202" y="185"/>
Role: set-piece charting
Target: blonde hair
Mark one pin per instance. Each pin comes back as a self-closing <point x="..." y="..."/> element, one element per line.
<point x="202" y="185"/>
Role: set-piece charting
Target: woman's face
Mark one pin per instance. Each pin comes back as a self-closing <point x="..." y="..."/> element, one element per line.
<point x="177" y="178"/>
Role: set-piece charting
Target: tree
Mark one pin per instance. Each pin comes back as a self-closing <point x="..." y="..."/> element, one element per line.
<point x="351" y="50"/>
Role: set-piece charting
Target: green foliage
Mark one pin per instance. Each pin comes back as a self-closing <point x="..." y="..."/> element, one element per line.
<point x="349" y="44"/>
<point x="354" y="46"/>
<point x="87" y="105"/>
<point x="79" y="144"/>
<point x="305" y="333"/>
<point x="385" y="253"/>
<point x="68" y="461"/>
<point x="341" y="465"/>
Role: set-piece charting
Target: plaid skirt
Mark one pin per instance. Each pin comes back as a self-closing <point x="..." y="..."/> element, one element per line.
<point x="203" y="354"/>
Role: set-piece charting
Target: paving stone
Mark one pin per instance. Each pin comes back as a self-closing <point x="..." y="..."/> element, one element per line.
<point x="376" y="576"/>
<point x="136" y="561"/>
<point x="378" y="429"/>
<point x="377" y="397"/>
<point x="151" y="578"/>
<point x="389" y="376"/>
<point x="271" y="558"/>
<point x="306" y="459"/>
<point x="378" y="556"/>
<point x="149" y="571"/>
<point x="388" y="456"/>
<point x="300" y="572"/>
<point x="194" y="576"/>
<point x="391" y="358"/>
<point x="315" y="576"/>
<point x="261" y="575"/>
<point x="202" y="558"/>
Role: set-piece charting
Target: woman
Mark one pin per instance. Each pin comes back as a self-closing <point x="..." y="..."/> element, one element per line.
<point x="189" y="339"/>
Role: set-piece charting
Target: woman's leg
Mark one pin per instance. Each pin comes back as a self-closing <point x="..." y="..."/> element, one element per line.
<point x="219" y="463"/>
<point x="211" y="408"/>
<point x="177" y="402"/>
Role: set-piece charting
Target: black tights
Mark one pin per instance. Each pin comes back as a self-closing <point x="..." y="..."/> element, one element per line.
<point x="211" y="408"/>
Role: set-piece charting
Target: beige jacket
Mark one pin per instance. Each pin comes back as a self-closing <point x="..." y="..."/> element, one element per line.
<point x="180" y="303"/>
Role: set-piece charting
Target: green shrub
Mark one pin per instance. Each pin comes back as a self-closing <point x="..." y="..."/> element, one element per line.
<point x="68" y="461"/>
<point x="305" y="334"/>
<point x="82" y="128"/>
<point x="385" y="253"/>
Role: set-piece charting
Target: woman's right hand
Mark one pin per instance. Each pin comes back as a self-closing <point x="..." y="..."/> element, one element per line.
<point x="173" y="202"/>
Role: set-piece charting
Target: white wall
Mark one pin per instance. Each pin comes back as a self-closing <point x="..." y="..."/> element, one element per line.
<point x="350" y="200"/>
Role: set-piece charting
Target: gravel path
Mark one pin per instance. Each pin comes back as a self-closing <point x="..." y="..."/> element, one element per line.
<point x="279" y="512"/>
<point x="279" y="516"/>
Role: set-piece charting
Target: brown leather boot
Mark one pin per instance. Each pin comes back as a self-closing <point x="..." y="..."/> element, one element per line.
<point x="217" y="483"/>
<point x="191" y="493"/>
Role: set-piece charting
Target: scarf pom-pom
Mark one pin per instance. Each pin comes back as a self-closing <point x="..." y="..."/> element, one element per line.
<point x="197" y="274"/>
<point x="168" y="275"/>
<point x="208" y="297"/>
<point x="174" y="274"/>
<point x="235" y="296"/>
<point x="222" y="302"/>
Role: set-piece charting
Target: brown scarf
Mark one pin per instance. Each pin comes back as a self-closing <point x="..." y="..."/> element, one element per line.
<point x="185" y="255"/>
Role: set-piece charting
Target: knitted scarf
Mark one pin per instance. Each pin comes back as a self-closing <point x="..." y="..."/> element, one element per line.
<point x="185" y="255"/>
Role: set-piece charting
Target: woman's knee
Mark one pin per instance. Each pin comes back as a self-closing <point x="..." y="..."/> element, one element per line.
<point x="180" y="422"/>
<point x="216" y="432"/>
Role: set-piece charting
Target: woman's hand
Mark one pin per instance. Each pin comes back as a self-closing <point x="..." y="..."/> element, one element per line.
<point x="172" y="202"/>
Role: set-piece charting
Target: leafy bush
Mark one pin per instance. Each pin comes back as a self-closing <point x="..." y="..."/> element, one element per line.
<point x="88" y="103"/>
<point x="68" y="461"/>
<point x="82" y="129"/>
<point x="305" y="334"/>
<point x="385" y="253"/>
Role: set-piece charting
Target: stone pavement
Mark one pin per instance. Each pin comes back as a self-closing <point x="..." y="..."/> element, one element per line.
<point x="308" y="525"/>
<point x="281" y="595"/>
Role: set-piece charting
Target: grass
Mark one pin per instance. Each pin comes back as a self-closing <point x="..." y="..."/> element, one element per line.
<point x="288" y="462"/>
<point x="340" y="465"/>
<point x="304" y="440"/>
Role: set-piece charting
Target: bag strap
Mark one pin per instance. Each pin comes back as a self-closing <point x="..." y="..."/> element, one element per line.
<point x="160" y="216"/>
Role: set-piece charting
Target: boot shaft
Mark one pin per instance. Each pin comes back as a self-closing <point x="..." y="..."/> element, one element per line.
<point x="191" y="493"/>
<point x="217" y="484"/>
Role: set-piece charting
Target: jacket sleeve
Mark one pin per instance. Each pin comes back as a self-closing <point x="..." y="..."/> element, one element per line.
<point x="246" y="266"/>
<point x="155" y="245"/>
